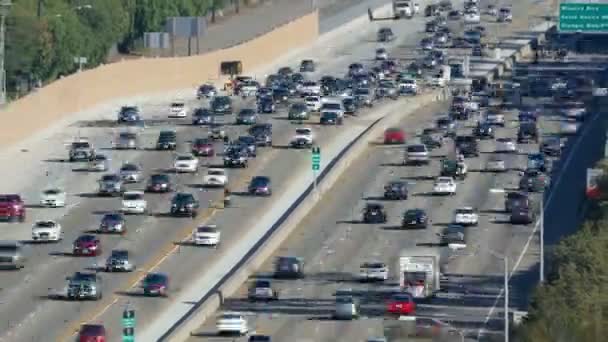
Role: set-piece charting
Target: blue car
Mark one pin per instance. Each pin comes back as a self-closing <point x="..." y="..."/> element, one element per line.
<point x="537" y="161"/>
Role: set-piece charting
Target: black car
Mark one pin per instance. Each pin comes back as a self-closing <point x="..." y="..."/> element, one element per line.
<point x="461" y="114"/>
<point x="260" y="186"/>
<point x="431" y="10"/>
<point x="483" y="131"/>
<point x="167" y="140"/>
<point x="522" y="215"/>
<point x="203" y="116"/>
<point x="281" y="95"/>
<point x="221" y="105"/>
<point x="250" y="143"/>
<point x="453" y="236"/>
<point x="415" y="218"/>
<point x="445" y="5"/>
<point x="467" y="145"/>
<point x="330" y="118"/>
<point x="307" y="65"/>
<point x="431" y="138"/>
<point x="396" y="191"/>
<point x="262" y="134"/>
<point x="236" y="158"/>
<point x="527" y="132"/>
<point x="385" y="34"/>
<point x="129" y="114"/>
<point x="289" y="267"/>
<point x="350" y="106"/>
<point x="514" y="200"/>
<point x="158" y="183"/>
<point x="454" y="15"/>
<point x="430" y="27"/>
<point x="447" y="125"/>
<point x="374" y="213"/>
<point x="184" y="204"/>
<point x="551" y="146"/>
<point x="266" y="105"/>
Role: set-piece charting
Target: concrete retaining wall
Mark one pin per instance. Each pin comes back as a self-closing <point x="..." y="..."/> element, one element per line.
<point x="231" y="286"/>
<point x="53" y="103"/>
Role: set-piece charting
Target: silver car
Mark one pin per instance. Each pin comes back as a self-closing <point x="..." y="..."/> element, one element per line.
<point x="130" y="173"/>
<point x="347" y="307"/>
<point x="13" y="255"/>
<point x="111" y="185"/>
<point x="127" y="141"/>
<point x="99" y="163"/>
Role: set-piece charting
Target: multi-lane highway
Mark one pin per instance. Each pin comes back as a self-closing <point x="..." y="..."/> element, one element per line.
<point x="26" y="309"/>
<point x="342" y="243"/>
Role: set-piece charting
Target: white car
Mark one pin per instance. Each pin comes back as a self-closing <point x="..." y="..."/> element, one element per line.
<point x="133" y="202"/>
<point x="373" y="271"/>
<point x="215" y="177"/>
<point x="207" y="235"/>
<point x="234" y="323"/>
<point x="472" y="17"/>
<point x="444" y="186"/>
<point x="495" y="119"/>
<point x="466" y="216"/>
<point x="506" y="145"/>
<point x="505" y="15"/>
<point x="381" y="54"/>
<point x="178" y="110"/>
<point x="310" y="88"/>
<point x="569" y="127"/>
<point x="416" y="154"/>
<point x="408" y="86"/>
<point x="47" y="230"/>
<point x="130" y="173"/>
<point x="303" y="138"/>
<point x="249" y="88"/>
<point x="53" y="198"/>
<point x="496" y="164"/>
<point x="186" y="163"/>
<point x="313" y="103"/>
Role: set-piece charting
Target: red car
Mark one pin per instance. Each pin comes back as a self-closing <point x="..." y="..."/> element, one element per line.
<point x="92" y="333"/>
<point x="401" y="304"/>
<point x="87" y="245"/>
<point x="394" y="136"/>
<point x="203" y="148"/>
<point x="12" y="208"/>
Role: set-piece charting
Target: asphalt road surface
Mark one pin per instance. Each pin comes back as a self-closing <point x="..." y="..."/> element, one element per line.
<point x="29" y="308"/>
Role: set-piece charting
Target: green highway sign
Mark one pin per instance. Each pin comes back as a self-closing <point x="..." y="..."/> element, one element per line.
<point x="583" y="17"/>
<point x="128" y="326"/>
<point x="128" y="322"/>
<point x="316" y="158"/>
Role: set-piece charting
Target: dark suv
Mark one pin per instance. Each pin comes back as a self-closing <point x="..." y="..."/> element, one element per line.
<point x="396" y="191"/>
<point x="167" y="140"/>
<point x="289" y="267"/>
<point x="467" y="145"/>
<point x="221" y="105"/>
<point x="528" y="132"/>
<point x="184" y="204"/>
<point x="374" y="213"/>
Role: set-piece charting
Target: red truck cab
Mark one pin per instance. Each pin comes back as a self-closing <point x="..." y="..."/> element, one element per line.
<point x="12" y="208"/>
<point x="92" y="333"/>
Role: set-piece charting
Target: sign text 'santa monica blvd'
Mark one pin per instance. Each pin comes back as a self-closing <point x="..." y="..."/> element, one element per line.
<point x="579" y="17"/>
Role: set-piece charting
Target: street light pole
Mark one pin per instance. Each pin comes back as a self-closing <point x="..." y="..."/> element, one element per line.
<point x="4" y="8"/>
<point x="541" y="223"/>
<point x="506" y="260"/>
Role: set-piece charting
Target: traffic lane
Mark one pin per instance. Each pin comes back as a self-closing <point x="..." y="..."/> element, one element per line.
<point x="335" y="258"/>
<point x="234" y="220"/>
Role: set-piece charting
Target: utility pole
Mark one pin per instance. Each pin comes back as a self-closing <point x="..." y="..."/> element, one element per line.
<point x="506" y="260"/>
<point x="4" y="9"/>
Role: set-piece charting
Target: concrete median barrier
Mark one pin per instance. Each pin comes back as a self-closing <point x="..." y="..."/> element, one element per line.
<point x="395" y="113"/>
<point x="56" y="103"/>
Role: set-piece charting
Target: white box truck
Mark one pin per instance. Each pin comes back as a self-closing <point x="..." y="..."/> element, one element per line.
<point x="419" y="271"/>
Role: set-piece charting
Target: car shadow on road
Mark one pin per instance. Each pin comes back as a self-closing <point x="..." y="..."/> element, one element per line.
<point x="281" y="147"/>
<point x="56" y="160"/>
<point x="350" y="222"/>
<point x="393" y="164"/>
<point x="418" y="178"/>
<point x="377" y="198"/>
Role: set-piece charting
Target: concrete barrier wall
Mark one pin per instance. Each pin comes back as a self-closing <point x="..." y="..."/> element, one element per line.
<point x="131" y="78"/>
<point x="395" y="114"/>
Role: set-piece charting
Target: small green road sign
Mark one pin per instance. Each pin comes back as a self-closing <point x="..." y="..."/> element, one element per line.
<point x="316" y="158"/>
<point x="583" y="17"/>
<point x="128" y="326"/>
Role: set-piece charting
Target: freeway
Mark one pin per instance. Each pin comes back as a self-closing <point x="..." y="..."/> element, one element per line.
<point x="333" y="242"/>
<point x="27" y="309"/>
